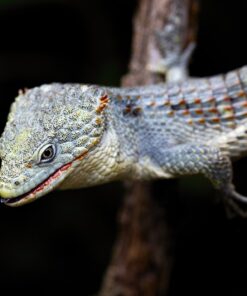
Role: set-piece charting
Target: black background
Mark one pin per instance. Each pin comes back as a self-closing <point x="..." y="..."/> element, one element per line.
<point x="62" y="243"/>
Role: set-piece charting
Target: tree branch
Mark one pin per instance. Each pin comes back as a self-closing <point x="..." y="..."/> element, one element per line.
<point x="142" y="261"/>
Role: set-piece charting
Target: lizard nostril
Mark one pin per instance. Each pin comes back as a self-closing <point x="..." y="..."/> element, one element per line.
<point x="17" y="183"/>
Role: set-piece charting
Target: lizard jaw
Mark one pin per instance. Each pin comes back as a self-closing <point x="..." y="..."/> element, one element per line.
<point x="46" y="186"/>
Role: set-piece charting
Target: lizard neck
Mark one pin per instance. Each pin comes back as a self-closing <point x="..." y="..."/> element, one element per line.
<point x="136" y="133"/>
<point x="101" y="165"/>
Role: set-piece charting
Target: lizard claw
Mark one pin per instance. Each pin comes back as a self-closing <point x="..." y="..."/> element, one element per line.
<point x="235" y="202"/>
<point x="232" y="193"/>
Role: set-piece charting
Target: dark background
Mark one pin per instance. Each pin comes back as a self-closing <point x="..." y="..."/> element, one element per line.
<point x="62" y="243"/>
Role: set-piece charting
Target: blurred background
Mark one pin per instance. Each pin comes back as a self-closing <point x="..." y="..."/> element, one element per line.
<point x="62" y="243"/>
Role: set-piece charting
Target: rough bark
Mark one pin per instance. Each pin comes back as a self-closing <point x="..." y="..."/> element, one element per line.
<point x="151" y="20"/>
<point x="142" y="261"/>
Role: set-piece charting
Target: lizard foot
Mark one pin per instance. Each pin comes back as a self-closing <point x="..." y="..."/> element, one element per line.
<point x="174" y="66"/>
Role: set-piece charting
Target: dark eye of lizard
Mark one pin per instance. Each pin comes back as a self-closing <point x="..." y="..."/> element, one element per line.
<point x="48" y="154"/>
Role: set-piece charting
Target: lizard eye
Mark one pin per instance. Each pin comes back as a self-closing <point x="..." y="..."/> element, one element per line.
<point x="48" y="153"/>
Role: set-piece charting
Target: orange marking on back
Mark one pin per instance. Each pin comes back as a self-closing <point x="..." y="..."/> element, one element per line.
<point x="182" y="102"/>
<point x="185" y="112"/>
<point x="212" y="110"/>
<point x="190" y="122"/>
<point x="201" y="121"/>
<point x="197" y="101"/>
<point x="170" y="113"/>
<point x="100" y="108"/>
<point x="241" y="94"/>
<point x="215" y="120"/>
<point x="199" y="111"/>
<point x="104" y="99"/>
<point x="103" y="104"/>
<point x="244" y="104"/>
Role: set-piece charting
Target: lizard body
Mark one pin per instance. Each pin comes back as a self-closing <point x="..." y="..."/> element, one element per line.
<point x="72" y="136"/>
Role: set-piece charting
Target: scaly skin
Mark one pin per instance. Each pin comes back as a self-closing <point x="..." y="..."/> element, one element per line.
<point x="101" y="134"/>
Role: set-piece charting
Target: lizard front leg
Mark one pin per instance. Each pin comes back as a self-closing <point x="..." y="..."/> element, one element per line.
<point x="188" y="159"/>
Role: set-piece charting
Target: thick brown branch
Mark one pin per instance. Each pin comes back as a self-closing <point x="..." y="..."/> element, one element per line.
<point x="137" y="263"/>
<point x="141" y="261"/>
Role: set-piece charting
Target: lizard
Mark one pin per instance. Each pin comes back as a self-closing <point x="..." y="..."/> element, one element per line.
<point x="68" y="136"/>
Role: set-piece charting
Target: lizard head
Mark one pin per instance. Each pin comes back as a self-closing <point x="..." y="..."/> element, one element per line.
<point x="50" y="129"/>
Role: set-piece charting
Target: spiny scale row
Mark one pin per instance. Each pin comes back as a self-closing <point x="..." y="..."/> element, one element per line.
<point x="218" y="101"/>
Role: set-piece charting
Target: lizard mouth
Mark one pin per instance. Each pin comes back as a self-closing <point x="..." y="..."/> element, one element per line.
<point x="47" y="185"/>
